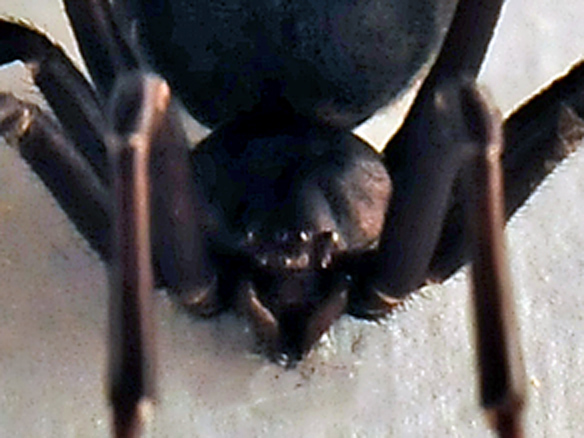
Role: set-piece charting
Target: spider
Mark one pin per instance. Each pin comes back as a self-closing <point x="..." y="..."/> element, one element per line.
<point x="295" y="348"/>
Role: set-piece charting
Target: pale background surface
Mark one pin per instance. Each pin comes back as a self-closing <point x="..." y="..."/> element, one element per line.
<point x="410" y="376"/>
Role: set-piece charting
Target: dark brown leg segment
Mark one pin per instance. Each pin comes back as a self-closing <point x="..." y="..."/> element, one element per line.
<point x="71" y="97"/>
<point x="423" y="165"/>
<point x="538" y="136"/>
<point x="64" y="170"/>
<point x="105" y="49"/>
<point x="179" y="250"/>
<point x="132" y="352"/>
<point x="155" y="200"/>
<point x="430" y="162"/>
<point x="502" y="373"/>
<point x="469" y="131"/>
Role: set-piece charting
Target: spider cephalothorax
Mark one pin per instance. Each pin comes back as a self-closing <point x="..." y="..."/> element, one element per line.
<point x="302" y="200"/>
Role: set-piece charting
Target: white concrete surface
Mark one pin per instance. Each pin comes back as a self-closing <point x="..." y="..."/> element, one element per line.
<point x="412" y="376"/>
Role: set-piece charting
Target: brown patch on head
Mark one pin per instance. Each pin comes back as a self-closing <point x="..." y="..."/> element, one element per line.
<point x="367" y="192"/>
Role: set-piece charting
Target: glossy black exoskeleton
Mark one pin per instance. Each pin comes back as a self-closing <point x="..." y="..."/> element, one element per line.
<point x="281" y="212"/>
<point x="291" y="194"/>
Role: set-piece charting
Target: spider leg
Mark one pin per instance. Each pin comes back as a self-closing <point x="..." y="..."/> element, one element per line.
<point x="423" y="166"/>
<point x="421" y="191"/>
<point x="531" y="153"/>
<point x="71" y="156"/>
<point x="81" y="114"/>
<point x="499" y="355"/>
<point x="132" y="350"/>
<point x="450" y="129"/>
<point x="151" y="223"/>
<point x="101" y="42"/>
<point x="179" y="258"/>
<point x="179" y="249"/>
<point x="462" y="136"/>
<point x="538" y="136"/>
<point x="59" y="163"/>
<point x="73" y="162"/>
<point x="71" y="97"/>
<point x="423" y="173"/>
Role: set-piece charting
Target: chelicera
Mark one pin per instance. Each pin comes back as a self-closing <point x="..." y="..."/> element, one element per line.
<point x="281" y="212"/>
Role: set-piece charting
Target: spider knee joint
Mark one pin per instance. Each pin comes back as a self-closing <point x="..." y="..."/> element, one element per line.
<point x="16" y="118"/>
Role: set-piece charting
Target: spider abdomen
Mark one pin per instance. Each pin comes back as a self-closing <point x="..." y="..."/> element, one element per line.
<point x="338" y="61"/>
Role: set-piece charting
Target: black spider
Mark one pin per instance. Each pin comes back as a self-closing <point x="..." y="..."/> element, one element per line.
<point x="281" y="194"/>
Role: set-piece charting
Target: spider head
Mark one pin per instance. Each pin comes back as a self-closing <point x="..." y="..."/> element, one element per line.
<point x="291" y="199"/>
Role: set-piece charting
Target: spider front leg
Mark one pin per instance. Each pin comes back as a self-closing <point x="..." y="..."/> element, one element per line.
<point x="72" y="160"/>
<point x="179" y="256"/>
<point x="423" y="163"/>
<point x="155" y="220"/>
<point x="132" y="346"/>
<point x="502" y="372"/>
<point x="69" y="157"/>
<point x="452" y="130"/>
<point x="458" y="135"/>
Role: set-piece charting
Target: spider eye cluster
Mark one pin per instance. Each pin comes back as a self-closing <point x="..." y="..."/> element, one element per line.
<point x="293" y="251"/>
